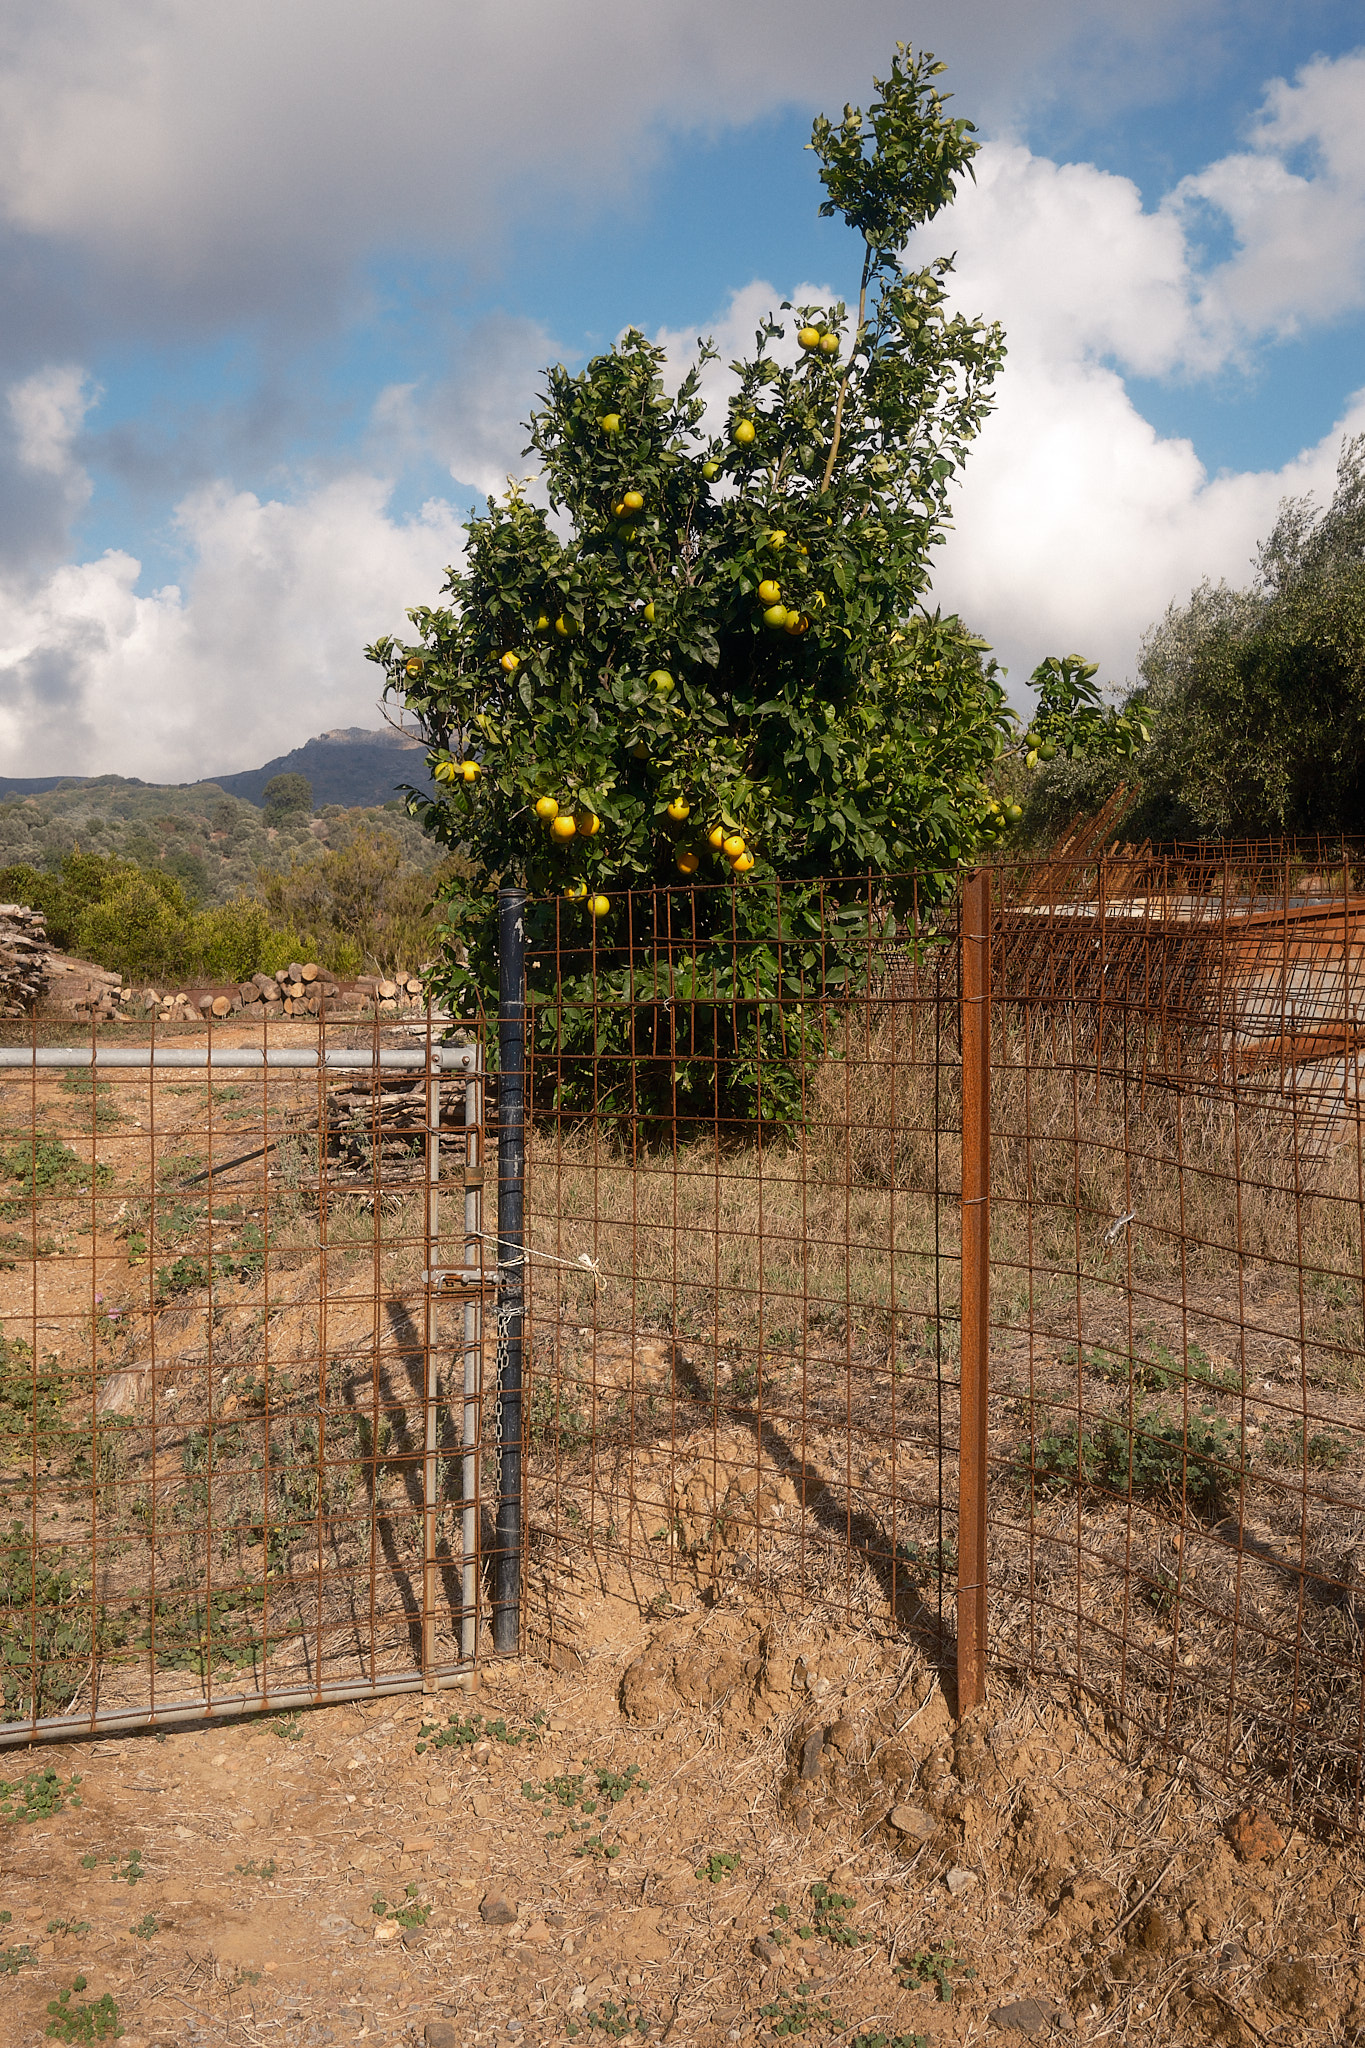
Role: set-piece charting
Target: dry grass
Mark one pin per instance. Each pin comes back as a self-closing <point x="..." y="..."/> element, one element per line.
<point x="762" y="1373"/>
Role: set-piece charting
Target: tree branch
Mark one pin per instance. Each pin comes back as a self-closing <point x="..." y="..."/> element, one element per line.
<point x="843" y="387"/>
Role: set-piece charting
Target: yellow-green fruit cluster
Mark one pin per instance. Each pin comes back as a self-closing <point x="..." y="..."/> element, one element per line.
<point x="777" y="616"/>
<point x="818" y="341"/>
<point x="564" y="824"/>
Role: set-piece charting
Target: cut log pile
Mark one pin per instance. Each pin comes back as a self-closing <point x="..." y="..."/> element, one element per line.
<point x="23" y="959"/>
<point x="299" y="990"/>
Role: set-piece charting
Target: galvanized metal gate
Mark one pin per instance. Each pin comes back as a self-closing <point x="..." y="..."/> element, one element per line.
<point x="244" y="1460"/>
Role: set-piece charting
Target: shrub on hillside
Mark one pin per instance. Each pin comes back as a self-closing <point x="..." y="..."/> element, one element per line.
<point x="142" y="934"/>
<point x="357" y="904"/>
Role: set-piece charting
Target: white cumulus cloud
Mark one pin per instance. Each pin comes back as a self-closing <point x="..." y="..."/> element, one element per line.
<point x="258" y="647"/>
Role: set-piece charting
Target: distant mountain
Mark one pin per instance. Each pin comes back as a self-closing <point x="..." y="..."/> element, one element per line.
<point x="349" y="766"/>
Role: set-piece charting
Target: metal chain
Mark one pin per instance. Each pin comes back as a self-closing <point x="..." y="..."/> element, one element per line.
<point x="500" y="1362"/>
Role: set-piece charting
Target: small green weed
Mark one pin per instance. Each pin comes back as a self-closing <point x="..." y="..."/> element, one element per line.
<point x="462" y="1731"/>
<point x="45" y="1166"/>
<point x="95" y="2021"/>
<point x="610" y="2019"/>
<point x="192" y="1634"/>
<point x="933" y="1966"/>
<point x="80" y="1082"/>
<point x="1161" y="1457"/>
<point x="409" y="1911"/>
<point x="265" y="1871"/>
<point x="30" y="1401"/>
<point x="146" y="1927"/>
<point x="1162" y="1371"/>
<point x="68" y="1926"/>
<point x="1322" y="1452"/>
<point x="289" y="1727"/>
<point x="1160" y="1590"/>
<point x="12" y="1959"/>
<point x="928" y="1564"/>
<point x="829" y="1915"/>
<point x="791" y="2012"/>
<point x="719" y="1865"/>
<point x="38" y="1796"/>
<point x="126" y="1869"/>
<point x="584" y="1792"/>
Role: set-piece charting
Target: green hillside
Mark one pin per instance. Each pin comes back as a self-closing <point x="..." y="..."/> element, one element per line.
<point x="213" y="844"/>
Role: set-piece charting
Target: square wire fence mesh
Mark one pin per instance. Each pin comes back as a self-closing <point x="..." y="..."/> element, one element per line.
<point x="743" y="1230"/>
<point x="240" y="1406"/>
<point x="1177" y="1440"/>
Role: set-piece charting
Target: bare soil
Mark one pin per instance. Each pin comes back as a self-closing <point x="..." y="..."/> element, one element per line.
<point x="1018" y="1862"/>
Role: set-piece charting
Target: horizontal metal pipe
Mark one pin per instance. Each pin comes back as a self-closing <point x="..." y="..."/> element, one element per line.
<point x="125" y="1720"/>
<point x="346" y="1059"/>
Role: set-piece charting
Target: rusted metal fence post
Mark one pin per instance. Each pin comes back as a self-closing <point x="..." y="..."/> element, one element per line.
<point x="976" y="1231"/>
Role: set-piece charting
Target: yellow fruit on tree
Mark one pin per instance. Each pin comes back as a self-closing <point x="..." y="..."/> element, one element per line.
<point x="744" y="863"/>
<point x="511" y="661"/>
<point x="445" y="771"/>
<point x="829" y="344"/>
<point x="587" y="824"/>
<point x="633" y="501"/>
<point x="600" y="905"/>
<point x="688" y="862"/>
<point x="563" y="626"/>
<point x="563" y="826"/>
<point x="662" y="681"/>
<point x="618" y="508"/>
<point x="809" y="337"/>
<point x="547" y="807"/>
<point x="543" y="623"/>
<point x="414" y="667"/>
<point x="734" y="846"/>
<point x="716" y="837"/>
<point x="576" y="891"/>
<point x="610" y="422"/>
<point x="679" y="809"/>
<point x="744" y="432"/>
<point x="777" y="540"/>
<point x="776" y="615"/>
<point x="470" y="770"/>
<point x="768" y="591"/>
<point x="797" y="624"/>
<point x="649" y="611"/>
<point x="710" y="470"/>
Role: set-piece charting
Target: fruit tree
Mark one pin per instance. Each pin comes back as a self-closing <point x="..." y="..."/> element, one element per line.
<point x="719" y="664"/>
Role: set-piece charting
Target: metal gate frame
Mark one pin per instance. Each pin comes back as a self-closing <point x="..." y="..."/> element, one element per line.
<point x="472" y="1280"/>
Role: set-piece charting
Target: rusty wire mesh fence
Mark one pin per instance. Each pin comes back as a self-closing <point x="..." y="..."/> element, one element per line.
<point x="742" y="1219"/>
<point x="1178" y="1237"/>
<point x="241" y="1456"/>
<point x="249" y="1426"/>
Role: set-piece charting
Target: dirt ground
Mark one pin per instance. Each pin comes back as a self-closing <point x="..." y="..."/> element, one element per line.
<point x="715" y="1827"/>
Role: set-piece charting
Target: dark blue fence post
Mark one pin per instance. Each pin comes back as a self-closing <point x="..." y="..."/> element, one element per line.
<point x="511" y="1262"/>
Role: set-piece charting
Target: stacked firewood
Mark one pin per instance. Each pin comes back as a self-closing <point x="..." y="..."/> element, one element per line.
<point x="383" y="1119"/>
<point x="23" y="959"/>
<point x="298" y="990"/>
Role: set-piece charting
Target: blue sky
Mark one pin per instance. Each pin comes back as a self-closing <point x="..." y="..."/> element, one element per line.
<point x="277" y="287"/>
